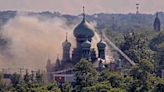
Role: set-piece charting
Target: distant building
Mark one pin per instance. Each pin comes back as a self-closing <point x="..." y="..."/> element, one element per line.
<point x="162" y="74"/>
<point x="157" y="24"/>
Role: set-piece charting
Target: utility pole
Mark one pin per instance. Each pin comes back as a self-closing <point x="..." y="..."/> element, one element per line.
<point x="113" y="23"/>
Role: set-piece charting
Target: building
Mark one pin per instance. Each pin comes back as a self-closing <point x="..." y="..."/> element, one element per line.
<point x="83" y="33"/>
<point x="157" y="23"/>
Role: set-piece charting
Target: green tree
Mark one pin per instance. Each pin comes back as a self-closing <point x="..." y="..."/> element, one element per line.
<point x="39" y="77"/>
<point x="3" y="86"/>
<point x="117" y="90"/>
<point x="21" y="87"/>
<point x="136" y="47"/>
<point x="86" y="75"/>
<point x="67" y="87"/>
<point x="27" y="77"/>
<point x="15" y="79"/>
<point x="160" y="86"/>
<point x="53" y="88"/>
<point x="114" y="78"/>
<point x="98" y="87"/>
<point x="143" y="77"/>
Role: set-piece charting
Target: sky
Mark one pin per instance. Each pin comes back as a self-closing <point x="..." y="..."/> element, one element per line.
<point x="91" y="6"/>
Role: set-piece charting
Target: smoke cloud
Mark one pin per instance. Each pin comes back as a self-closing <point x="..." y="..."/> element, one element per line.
<point x="32" y="41"/>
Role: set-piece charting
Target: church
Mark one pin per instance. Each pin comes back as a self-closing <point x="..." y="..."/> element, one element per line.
<point x="83" y="33"/>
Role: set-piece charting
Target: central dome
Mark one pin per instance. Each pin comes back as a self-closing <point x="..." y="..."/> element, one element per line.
<point x="84" y="30"/>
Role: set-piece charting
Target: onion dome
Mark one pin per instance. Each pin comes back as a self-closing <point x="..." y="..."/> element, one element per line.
<point x="101" y="44"/>
<point x="157" y="23"/>
<point x="84" y="29"/>
<point x="66" y="43"/>
<point x="86" y="44"/>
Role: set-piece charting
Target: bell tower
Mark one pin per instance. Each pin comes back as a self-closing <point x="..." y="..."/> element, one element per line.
<point x="157" y="24"/>
<point x="66" y="49"/>
<point x="101" y="48"/>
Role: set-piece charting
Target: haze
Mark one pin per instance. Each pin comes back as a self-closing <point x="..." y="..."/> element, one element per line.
<point x="92" y="6"/>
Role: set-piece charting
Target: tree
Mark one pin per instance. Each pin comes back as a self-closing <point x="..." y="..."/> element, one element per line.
<point x="15" y="79"/>
<point x="114" y="78"/>
<point x="39" y="77"/>
<point x="53" y="88"/>
<point x="160" y="86"/>
<point x="117" y="90"/>
<point x="3" y="86"/>
<point x="143" y="77"/>
<point x="86" y="75"/>
<point x="98" y="87"/>
<point x="21" y="87"/>
<point x="67" y="87"/>
<point x="142" y="70"/>
<point x="27" y="77"/>
<point x="136" y="47"/>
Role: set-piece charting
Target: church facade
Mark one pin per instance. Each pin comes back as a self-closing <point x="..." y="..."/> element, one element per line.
<point x="83" y="33"/>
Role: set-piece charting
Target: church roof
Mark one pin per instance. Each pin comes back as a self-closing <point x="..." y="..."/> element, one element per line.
<point x="84" y="29"/>
<point x="101" y="44"/>
<point x="66" y="44"/>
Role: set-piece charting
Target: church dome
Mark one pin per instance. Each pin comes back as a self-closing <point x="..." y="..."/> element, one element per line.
<point x="84" y="29"/>
<point x="101" y="44"/>
<point x="86" y="44"/>
<point x="66" y="44"/>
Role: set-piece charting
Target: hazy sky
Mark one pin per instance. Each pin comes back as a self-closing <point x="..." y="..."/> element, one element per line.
<point x="75" y="6"/>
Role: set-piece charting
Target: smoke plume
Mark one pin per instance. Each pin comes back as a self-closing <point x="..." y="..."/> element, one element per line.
<point x="32" y="41"/>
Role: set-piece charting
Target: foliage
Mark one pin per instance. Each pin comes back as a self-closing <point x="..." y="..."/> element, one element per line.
<point x="113" y="78"/>
<point x="140" y="78"/>
<point x="86" y="75"/>
<point x="98" y="87"/>
<point x="160" y="86"/>
<point x="136" y="47"/>
<point x="67" y="87"/>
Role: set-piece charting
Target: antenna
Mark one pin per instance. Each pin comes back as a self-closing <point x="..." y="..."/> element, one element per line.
<point x="66" y="37"/>
<point x="83" y="12"/>
<point x="113" y="23"/>
<point x="137" y="8"/>
<point x="101" y="36"/>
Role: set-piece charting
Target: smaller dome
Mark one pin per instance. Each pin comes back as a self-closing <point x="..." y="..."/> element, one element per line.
<point x="86" y="44"/>
<point x="66" y="44"/>
<point x="101" y="44"/>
